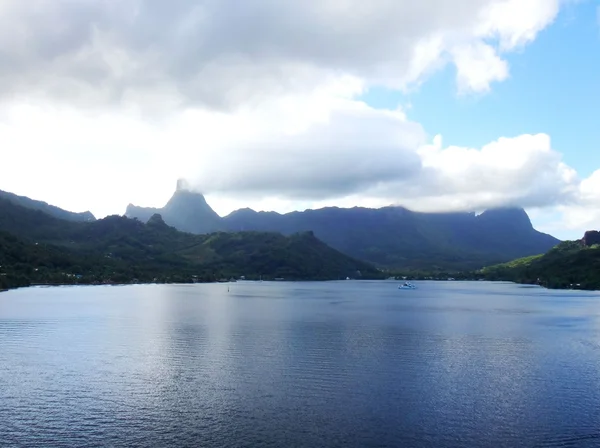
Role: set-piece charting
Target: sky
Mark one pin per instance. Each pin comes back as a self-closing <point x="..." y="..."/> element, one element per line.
<point x="287" y="105"/>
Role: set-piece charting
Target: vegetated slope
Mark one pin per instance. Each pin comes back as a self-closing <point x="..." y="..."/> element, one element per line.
<point x="298" y="256"/>
<point x="22" y="262"/>
<point x="569" y="264"/>
<point x="119" y="249"/>
<point x="47" y="208"/>
<point x="46" y="250"/>
<point x="401" y="239"/>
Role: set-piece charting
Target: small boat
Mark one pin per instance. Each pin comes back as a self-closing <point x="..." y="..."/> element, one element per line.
<point x="407" y="285"/>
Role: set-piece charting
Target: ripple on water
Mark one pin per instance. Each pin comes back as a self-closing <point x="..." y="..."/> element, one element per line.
<point x="349" y="364"/>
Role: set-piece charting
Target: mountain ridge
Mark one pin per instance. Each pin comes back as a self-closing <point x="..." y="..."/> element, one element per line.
<point x="392" y="237"/>
<point x="187" y="211"/>
<point x="52" y="210"/>
<point x="569" y="265"/>
<point x="36" y="247"/>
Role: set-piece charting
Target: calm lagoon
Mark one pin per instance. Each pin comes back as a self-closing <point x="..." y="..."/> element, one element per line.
<point x="328" y="364"/>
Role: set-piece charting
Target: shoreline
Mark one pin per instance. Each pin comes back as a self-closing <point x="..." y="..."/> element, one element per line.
<point x="57" y="285"/>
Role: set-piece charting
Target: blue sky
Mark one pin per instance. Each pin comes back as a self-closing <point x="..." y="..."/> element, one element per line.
<point x="554" y="88"/>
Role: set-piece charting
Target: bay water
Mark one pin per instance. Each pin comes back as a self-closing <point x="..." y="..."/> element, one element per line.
<point x="278" y="364"/>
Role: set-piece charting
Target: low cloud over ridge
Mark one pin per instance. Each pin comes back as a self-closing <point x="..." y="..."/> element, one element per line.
<point x="380" y="157"/>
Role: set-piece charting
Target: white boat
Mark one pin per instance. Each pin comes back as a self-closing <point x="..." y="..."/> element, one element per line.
<point x="407" y="285"/>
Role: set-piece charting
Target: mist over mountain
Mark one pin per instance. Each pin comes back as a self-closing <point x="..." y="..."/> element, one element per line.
<point x="392" y="237"/>
<point x="186" y="211"/>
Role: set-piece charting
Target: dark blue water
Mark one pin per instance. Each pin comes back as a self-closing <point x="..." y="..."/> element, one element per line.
<point x="342" y="364"/>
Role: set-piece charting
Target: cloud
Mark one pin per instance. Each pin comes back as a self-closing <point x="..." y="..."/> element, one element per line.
<point x="81" y="162"/>
<point x="256" y="103"/>
<point x="478" y="65"/>
<point x="359" y="155"/>
<point x="222" y="54"/>
<point x="522" y="171"/>
<point x="583" y="213"/>
<point x="294" y="151"/>
<point x="351" y="149"/>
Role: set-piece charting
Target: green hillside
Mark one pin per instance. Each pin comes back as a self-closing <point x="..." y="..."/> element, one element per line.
<point x="38" y="248"/>
<point x="570" y="264"/>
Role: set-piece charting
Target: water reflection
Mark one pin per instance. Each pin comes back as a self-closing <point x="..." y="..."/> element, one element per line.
<point x="307" y="364"/>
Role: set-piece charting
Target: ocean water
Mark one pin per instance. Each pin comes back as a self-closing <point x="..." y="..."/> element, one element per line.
<point x="331" y="364"/>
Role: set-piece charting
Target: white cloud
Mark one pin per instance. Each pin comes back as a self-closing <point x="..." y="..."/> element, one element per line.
<point x="331" y="150"/>
<point x="478" y="64"/>
<point x="583" y="213"/>
<point x="350" y="148"/>
<point x="106" y="103"/>
<point x="161" y="55"/>
<point x="80" y="161"/>
<point x="520" y="171"/>
<point x="516" y="22"/>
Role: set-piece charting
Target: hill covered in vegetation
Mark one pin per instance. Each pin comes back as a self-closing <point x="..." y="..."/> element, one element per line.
<point x="38" y="248"/>
<point x="570" y="264"/>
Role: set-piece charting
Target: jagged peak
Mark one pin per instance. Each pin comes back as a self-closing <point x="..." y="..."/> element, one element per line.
<point x="157" y="221"/>
<point x="187" y="198"/>
<point x="591" y="238"/>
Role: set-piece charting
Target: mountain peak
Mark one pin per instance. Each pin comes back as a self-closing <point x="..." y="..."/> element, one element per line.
<point x="187" y="211"/>
<point x="393" y="237"/>
<point x="188" y="199"/>
<point x="156" y="220"/>
<point x="591" y="238"/>
<point x="510" y="217"/>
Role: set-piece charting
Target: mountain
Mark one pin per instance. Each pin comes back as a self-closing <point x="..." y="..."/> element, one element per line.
<point x="570" y="264"/>
<point x="390" y="237"/>
<point x="21" y="260"/>
<point x="399" y="238"/>
<point x="295" y="257"/>
<point x="187" y="211"/>
<point x="47" y="208"/>
<point x="36" y="247"/>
